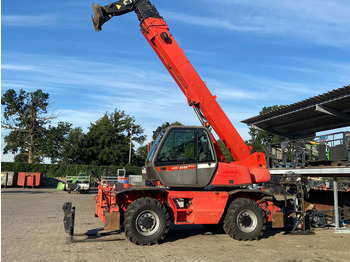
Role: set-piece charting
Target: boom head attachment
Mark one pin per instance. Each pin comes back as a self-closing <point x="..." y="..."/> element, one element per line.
<point x="100" y="17"/>
<point x="104" y="13"/>
<point x="143" y="8"/>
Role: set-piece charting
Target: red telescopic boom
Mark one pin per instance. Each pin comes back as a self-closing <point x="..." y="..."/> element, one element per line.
<point x="156" y="31"/>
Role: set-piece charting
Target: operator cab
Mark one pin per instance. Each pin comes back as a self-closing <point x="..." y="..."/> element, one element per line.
<point x="182" y="157"/>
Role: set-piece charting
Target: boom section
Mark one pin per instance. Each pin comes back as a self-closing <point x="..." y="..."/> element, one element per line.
<point x="156" y="32"/>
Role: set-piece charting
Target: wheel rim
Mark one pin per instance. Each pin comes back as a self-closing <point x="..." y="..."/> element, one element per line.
<point x="247" y="221"/>
<point x="147" y="223"/>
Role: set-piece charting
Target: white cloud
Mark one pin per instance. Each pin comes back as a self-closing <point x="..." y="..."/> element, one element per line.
<point x="80" y="118"/>
<point x="17" y="67"/>
<point x="28" y="20"/>
<point x="321" y="22"/>
<point x="72" y="74"/>
<point x="210" y="22"/>
<point x="242" y="87"/>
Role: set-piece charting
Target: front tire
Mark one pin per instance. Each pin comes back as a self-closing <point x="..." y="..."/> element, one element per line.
<point x="146" y="221"/>
<point x="244" y="220"/>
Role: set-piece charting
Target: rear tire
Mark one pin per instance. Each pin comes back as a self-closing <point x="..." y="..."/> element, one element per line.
<point x="244" y="220"/>
<point x="146" y="221"/>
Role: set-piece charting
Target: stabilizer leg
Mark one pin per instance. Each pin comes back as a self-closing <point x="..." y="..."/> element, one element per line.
<point x="68" y="221"/>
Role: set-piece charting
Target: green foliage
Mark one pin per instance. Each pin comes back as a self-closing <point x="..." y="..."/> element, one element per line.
<point x="61" y="170"/>
<point x="108" y="139"/>
<point x="73" y="147"/>
<point x="225" y="151"/>
<point x="140" y="156"/>
<point x="20" y="158"/>
<point x="25" y="114"/>
<point x="55" y="139"/>
<point x="259" y="139"/>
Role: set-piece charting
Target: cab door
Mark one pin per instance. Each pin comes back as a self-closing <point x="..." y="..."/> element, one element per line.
<point x="176" y="161"/>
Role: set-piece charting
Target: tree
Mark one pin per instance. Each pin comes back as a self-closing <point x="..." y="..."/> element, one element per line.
<point x="260" y="139"/>
<point x="109" y="137"/>
<point x="21" y="158"/>
<point x="55" y="141"/>
<point x="25" y="114"/>
<point x="73" y="149"/>
<point x="140" y="156"/>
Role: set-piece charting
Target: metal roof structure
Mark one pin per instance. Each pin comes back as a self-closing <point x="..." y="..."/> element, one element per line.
<point x="303" y="119"/>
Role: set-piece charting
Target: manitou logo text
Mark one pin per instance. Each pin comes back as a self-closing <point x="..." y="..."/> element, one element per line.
<point x="176" y="168"/>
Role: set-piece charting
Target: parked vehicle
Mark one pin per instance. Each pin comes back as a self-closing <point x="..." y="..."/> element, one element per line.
<point x="80" y="183"/>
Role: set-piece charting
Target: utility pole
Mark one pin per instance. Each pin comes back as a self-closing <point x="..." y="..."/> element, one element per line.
<point x="130" y="144"/>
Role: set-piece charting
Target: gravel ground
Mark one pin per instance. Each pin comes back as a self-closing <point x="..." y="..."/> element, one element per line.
<point x="32" y="230"/>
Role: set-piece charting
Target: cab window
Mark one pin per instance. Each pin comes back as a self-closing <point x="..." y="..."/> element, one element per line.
<point x="179" y="146"/>
<point x="205" y="149"/>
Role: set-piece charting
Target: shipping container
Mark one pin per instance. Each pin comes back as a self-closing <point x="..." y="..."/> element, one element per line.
<point x="8" y="179"/>
<point x="30" y="179"/>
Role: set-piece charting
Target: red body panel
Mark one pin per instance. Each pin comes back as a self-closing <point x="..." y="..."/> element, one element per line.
<point x="204" y="207"/>
<point x="105" y="201"/>
<point x="230" y="174"/>
<point x="29" y="179"/>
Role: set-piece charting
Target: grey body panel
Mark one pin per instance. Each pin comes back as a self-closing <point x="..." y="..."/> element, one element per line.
<point x="205" y="172"/>
<point x="180" y="177"/>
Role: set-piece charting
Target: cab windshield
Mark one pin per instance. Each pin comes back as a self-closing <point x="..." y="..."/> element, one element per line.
<point x="154" y="148"/>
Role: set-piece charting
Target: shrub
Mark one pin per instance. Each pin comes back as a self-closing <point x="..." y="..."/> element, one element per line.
<point x="61" y="170"/>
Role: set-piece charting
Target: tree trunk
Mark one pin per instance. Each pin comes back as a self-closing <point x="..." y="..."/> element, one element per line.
<point x="30" y="149"/>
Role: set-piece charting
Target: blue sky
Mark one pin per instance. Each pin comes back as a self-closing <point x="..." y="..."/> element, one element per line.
<point x="251" y="54"/>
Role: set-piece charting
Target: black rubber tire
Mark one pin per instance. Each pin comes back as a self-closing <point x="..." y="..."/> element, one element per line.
<point x="245" y="220"/>
<point x="146" y="212"/>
